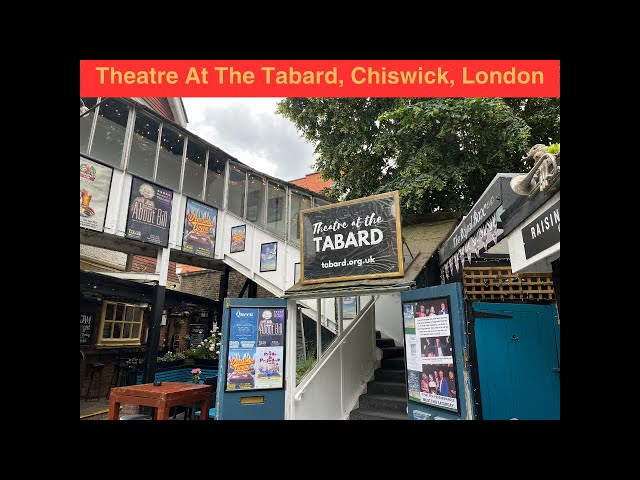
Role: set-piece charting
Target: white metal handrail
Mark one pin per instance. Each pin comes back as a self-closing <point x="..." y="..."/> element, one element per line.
<point x="339" y="340"/>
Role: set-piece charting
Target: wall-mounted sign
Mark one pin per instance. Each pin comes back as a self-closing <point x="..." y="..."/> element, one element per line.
<point x="543" y="232"/>
<point x="95" y="181"/>
<point x="196" y="334"/>
<point x="86" y="327"/>
<point x="255" y="349"/>
<point x="199" y="235"/>
<point x="238" y="237"/>
<point x="149" y="212"/>
<point x="430" y="356"/>
<point x="352" y="240"/>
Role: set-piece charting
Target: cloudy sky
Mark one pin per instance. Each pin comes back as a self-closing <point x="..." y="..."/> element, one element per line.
<point x="250" y="130"/>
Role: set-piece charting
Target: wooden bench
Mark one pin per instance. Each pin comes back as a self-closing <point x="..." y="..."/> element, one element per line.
<point x="179" y="374"/>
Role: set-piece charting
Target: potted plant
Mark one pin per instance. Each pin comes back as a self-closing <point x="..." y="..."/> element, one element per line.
<point x="171" y="359"/>
<point x="206" y="354"/>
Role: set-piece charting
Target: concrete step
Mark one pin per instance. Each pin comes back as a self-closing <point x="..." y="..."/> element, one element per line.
<point x="396" y="363"/>
<point x="370" y="414"/>
<point x="387" y="388"/>
<point x="392" y="352"/>
<point x="383" y="402"/>
<point x="385" y="342"/>
<point x="387" y="375"/>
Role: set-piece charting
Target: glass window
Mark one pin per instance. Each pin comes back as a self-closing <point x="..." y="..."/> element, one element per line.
<point x="144" y="144"/>
<point x="298" y="202"/>
<point x="85" y="124"/>
<point x="170" y="158"/>
<point x="256" y="191"/>
<point x="276" y="195"/>
<point x="108" y="138"/>
<point x="318" y="202"/>
<point x="214" y="190"/>
<point x="121" y="324"/>
<point x="235" y="202"/>
<point x="194" y="169"/>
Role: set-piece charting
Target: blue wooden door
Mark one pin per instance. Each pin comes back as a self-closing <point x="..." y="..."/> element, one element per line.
<point x="518" y="361"/>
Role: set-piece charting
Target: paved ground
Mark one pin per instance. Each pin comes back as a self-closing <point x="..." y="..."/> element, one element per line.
<point x="89" y="409"/>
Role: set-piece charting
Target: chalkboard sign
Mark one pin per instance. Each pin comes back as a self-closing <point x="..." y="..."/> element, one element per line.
<point x="352" y="240"/>
<point x="197" y="333"/>
<point x="86" y="328"/>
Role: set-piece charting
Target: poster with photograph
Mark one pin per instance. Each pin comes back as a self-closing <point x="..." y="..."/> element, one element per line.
<point x="429" y="351"/>
<point x="413" y="385"/>
<point x="269" y="372"/>
<point x="199" y="234"/>
<point x="271" y="327"/>
<point x="269" y="257"/>
<point x="241" y="369"/>
<point x="349" y="307"/>
<point x="95" y="181"/>
<point x="149" y="212"/>
<point x="255" y="349"/>
<point x="238" y="237"/>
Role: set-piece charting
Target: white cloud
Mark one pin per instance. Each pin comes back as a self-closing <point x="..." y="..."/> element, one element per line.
<point x="251" y="131"/>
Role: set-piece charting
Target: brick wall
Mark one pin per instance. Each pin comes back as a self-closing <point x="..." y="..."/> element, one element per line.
<point x="148" y="265"/>
<point x="206" y="283"/>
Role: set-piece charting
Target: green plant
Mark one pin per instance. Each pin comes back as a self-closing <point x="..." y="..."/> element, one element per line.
<point x="554" y="148"/>
<point x="209" y="348"/>
<point x="171" y="356"/>
<point x="303" y="367"/>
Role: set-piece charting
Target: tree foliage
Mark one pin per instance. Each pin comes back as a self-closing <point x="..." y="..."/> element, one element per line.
<point x="440" y="153"/>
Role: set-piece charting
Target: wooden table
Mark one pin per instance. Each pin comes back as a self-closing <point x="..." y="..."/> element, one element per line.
<point x="163" y="397"/>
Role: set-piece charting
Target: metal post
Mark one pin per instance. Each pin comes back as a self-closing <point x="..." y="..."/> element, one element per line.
<point x="290" y="365"/>
<point x="223" y="293"/>
<point x="339" y="320"/>
<point x="318" y="329"/>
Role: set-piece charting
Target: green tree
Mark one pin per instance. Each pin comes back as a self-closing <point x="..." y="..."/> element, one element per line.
<point x="440" y="153"/>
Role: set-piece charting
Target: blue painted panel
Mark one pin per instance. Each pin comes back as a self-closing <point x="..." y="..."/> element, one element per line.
<point x="518" y="358"/>
<point x="418" y="411"/>
<point x="228" y="406"/>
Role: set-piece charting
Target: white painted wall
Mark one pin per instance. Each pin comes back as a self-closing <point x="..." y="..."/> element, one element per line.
<point x="389" y="317"/>
<point x="342" y="377"/>
<point x="540" y="262"/>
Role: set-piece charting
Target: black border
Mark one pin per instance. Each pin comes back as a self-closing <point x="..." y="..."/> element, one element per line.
<point x="243" y="243"/>
<point x="284" y="350"/>
<point x="262" y="245"/>
<point x="108" y="193"/>
<point x="446" y="298"/>
<point x="126" y="228"/>
<point x="215" y="230"/>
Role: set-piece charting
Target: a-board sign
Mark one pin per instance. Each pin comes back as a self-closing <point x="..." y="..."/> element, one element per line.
<point x="352" y="240"/>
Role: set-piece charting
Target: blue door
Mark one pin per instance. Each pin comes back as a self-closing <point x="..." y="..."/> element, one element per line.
<point x="517" y="349"/>
<point x="252" y="359"/>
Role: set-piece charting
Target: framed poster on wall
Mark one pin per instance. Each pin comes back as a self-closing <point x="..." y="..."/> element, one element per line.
<point x="238" y="238"/>
<point x="95" y="182"/>
<point x="430" y="354"/>
<point x="149" y="214"/>
<point x="269" y="257"/>
<point x="199" y="234"/>
<point x="255" y="359"/>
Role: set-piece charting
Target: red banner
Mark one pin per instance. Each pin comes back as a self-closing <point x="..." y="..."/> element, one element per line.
<point x="320" y="78"/>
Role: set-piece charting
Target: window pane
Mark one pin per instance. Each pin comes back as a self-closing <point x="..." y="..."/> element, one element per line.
<point x="85" y="124"/>
<point x="129" y="313"/>
<point x="117" y="330"/>
<point x="319" y="202"/>
<point x="109" y="314"/>
<point x="119" y="312"/>
<point x="275" y="209"/>
<point x="142" y="157"/>
<point x="236" y="191"/>
<point x="126" y="333"/>
<point x="215" y="181"/>
<point x="135" y="330"/>
<point x="106" y="330"/>
<point x="194" y="169"/>
<point x="255" y="199"/>
<point x="108" y="139"/>
<point x="298" y="202"/>
<point x="170" y="158"/>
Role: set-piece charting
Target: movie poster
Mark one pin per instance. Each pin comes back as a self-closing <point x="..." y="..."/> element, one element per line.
<point x="430" y="354"/>
<point x="199" y="235"/>
<point x="95" y="181"/>
<point x="149" y="212"/>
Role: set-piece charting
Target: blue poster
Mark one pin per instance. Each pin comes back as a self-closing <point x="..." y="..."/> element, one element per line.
<point x="243" y="328"/>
